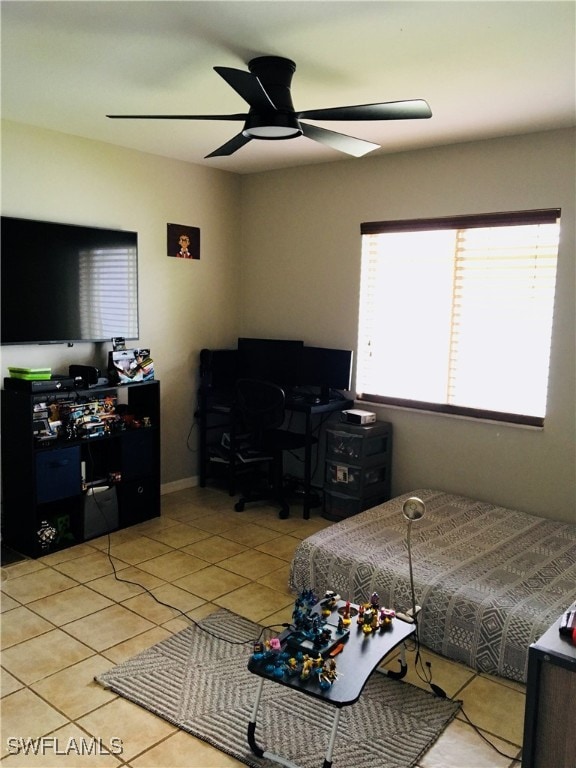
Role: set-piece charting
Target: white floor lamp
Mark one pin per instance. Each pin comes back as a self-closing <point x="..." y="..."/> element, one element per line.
<point x="412" y="509"/>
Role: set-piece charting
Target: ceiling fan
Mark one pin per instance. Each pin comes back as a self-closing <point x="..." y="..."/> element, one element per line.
<point x="266" y="88"/>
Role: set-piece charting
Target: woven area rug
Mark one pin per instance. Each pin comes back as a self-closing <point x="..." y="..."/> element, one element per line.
<point x="200" y="682"/>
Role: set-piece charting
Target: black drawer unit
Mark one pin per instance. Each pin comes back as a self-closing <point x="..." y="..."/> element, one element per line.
<point x="138" y="501"/>
<point x="358" y="468"/>
<point x="360" y="444"/>
<point x="60" y="447"/>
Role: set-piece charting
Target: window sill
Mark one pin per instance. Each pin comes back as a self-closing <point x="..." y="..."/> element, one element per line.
<point x="533" y="423"/>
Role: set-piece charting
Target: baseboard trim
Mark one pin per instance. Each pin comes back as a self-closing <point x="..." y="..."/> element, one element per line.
<point x="178" y="485"/>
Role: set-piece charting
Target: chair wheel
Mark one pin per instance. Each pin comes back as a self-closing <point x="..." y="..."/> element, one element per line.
<point x="284" y="513"/>
<point x="239" y="506"/>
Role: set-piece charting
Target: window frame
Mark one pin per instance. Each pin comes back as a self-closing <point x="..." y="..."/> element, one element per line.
<point x="468" y="221"/>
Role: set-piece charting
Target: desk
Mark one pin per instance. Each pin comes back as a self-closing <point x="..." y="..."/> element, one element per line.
<point x="310" y="411"/>
<point x="214" y="414"/>
<point x="358" y="660"/>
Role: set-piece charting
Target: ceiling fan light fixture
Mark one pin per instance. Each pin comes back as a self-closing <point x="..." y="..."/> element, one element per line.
<point x="275" y="125"/>
<point x="266" y="89"/>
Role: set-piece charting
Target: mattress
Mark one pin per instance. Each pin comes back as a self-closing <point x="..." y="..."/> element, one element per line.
<point x="490" y="580"/>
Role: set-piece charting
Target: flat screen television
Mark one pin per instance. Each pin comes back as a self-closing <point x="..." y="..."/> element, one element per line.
<point x="62" y="283"/>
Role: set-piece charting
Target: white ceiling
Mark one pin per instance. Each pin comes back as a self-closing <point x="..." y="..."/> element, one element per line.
<point x="486" y="68"/>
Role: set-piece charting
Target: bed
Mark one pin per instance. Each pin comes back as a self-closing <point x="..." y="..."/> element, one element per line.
<point x="490" y="580"/>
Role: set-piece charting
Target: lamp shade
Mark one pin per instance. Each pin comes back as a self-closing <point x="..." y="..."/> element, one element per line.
<point x="413" y="508"/>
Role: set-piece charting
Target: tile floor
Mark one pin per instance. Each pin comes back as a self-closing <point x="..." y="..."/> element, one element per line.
<point x="66" y="618"/>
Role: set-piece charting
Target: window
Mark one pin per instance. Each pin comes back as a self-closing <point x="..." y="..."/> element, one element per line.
<point x="456" y="314"/>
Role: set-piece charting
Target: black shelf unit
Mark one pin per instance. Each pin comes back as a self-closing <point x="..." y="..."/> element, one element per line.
<point x="218" y="374"/>
<point x="55" y="480"/>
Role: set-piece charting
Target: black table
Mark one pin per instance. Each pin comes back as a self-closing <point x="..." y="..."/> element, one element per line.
<point x="359" y="658"/>
<point x="217" y="404"/>
<point x="312" y="409"/>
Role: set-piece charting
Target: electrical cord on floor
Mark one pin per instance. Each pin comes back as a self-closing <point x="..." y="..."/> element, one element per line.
<point x="487" y="740"/>
<point x="185" y="615"/>
<point x="193" y="428"/>
<point x="424" y="672"/>
<point x="270" y="627"/>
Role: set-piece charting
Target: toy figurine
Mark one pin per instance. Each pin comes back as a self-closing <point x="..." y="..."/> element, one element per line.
<point x="346" y="620"/>
<point x="278" y="672"/>
<point x="385" y="619"/>
<point x="302" y="606"/>
<point x="322" y="638"/>
<point x="307" y="665"/>
<point x="47" y="534"/>
<point x="375" y="600"/>
<point x="360" y="618"/>
<point x="367" y="615"/>
<point x="328" y="602"/>
<point x="328" y="674"/>
<point x="292" y="666"/>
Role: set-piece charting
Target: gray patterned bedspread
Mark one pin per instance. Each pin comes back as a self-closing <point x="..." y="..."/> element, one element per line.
<point x="490" y="580"/>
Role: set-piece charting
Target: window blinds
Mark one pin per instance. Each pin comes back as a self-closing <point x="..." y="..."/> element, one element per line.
<point x="104" y="274"/>
<point x="458" y="312"/>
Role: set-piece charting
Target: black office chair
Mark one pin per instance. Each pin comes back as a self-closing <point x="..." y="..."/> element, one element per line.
<point x="258" y="439"/>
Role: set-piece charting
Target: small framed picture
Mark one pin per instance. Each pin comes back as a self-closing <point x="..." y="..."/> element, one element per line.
<point x="183" y="242"/>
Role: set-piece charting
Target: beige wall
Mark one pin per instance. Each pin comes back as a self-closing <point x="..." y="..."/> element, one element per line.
<point x="184" y="305"/>
<point x="300" y="279"/>
<point x="280" y="257"/>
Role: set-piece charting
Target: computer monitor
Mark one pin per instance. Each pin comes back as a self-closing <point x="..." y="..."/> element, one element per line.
<point x="276" y="360"/>
<point x="327" y="369"/>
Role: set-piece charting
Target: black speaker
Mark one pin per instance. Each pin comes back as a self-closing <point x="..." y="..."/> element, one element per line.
<point x="88" y="374"/>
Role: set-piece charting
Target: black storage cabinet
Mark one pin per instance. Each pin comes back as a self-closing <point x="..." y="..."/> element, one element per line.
<point x="51" y="482"/>
<point x="358" y="468"/>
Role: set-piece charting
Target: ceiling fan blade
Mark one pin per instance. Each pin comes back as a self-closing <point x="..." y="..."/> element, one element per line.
<point x="237" y="142"/>
<point x="339" y="141"/>
<point x="180" y="117"/>
<point x="248" y="86"/>
<point x="390" y="110"/>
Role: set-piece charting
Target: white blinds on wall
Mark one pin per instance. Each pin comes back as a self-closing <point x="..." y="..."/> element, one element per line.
<point x="458" y="315"/>
<point x="501" y="319"/>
